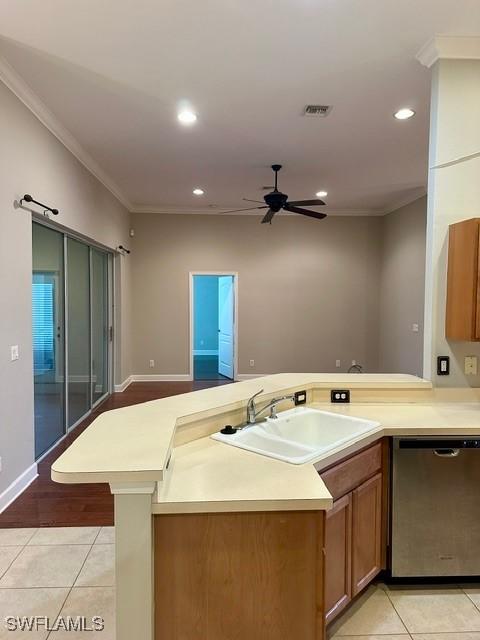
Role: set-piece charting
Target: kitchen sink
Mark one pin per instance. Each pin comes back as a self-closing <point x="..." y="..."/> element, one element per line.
<point x="299" y="435"/>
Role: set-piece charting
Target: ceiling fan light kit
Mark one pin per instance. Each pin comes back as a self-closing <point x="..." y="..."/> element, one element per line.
<point x="275" y="201"/>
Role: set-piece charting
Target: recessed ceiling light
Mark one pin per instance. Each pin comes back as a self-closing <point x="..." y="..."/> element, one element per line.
<point x="404" y="114"/>
<point x="186" y="116"/>
<point x="198" y="191"/>
<point x="321" y="194"/>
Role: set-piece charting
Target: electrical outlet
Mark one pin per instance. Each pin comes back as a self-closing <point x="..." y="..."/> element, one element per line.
<point x="338" y="363"/>
<point x="415" y="327"/>
<point x="354" y="362"/>
<point x="471" y="365"/>
<point x="152" y="364"/>
<point x="443" y="366"/>
<point x="300" y="397"/>
<point x="252" y="363"/>
<point x="339" y="396"/>
<point x="14" y="352"/>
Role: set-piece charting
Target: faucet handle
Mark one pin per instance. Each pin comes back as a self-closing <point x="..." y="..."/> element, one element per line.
<point x="256" y="394"/>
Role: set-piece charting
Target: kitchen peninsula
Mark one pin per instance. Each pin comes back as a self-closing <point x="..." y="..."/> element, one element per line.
<point x="216" y="542"/>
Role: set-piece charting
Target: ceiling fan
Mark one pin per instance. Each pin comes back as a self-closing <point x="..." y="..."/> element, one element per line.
<point x="275" y="201"/>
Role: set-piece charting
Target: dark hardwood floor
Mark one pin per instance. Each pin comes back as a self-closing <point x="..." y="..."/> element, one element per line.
<point x="48" y="504"/>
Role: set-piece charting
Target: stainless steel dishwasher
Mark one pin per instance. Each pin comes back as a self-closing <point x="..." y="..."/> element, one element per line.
<point x="435" y="507"/>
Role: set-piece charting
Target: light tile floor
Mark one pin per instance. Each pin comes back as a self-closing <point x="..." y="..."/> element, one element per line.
<point x="69" y="571"/>
<point x="412" y="612"/>
<point x="58" y="571"/>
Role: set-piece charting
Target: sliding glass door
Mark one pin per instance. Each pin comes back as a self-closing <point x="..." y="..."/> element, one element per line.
<point x="100" y="324"/>
<point x="78" y="333"/>
<point x="72" y="315"/>
<point x="48" y="337"/>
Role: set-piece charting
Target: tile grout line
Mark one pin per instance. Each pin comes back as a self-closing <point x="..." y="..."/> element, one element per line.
<point x="411" y="633"/>
<point x="387" y="590"/>
<point x="472" y="601"/>
<point x="13" y="559"/>
<point x="73" y="584"/>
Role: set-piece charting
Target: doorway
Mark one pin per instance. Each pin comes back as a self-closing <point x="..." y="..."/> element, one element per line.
<point x="213" y="314"/>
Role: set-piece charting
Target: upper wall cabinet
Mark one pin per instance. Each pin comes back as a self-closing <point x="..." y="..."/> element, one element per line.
<point x="463" y="282"/>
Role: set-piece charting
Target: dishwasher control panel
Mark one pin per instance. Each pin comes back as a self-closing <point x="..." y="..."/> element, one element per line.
<point x="439" y="443"/>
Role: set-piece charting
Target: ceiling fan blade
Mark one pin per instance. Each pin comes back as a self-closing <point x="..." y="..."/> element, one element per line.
<point x="305" y="212"/>
<point x="249" y="209"/>
<point x="307" y="203"/>
<point x="258" y="201"/>
<point x="268" y="216"/>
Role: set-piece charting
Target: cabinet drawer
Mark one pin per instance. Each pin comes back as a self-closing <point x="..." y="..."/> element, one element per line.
<point x="347" y="475"/>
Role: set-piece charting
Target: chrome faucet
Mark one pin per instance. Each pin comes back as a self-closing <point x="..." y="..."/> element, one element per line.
<point x="253" y="412"/>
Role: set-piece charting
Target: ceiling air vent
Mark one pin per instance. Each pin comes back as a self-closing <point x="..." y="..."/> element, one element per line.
<point x="317" y="110"/>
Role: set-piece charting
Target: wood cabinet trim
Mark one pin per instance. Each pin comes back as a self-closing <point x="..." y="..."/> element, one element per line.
<point x="334" y="608"/>
<point x="360" y="579"/>
<point x="348" y="474"/>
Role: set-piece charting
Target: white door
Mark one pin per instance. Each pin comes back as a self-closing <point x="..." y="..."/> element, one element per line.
<point x="226" y="301"/>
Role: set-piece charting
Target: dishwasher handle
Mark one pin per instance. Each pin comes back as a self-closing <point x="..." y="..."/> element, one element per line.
<point x="446" y="453"/>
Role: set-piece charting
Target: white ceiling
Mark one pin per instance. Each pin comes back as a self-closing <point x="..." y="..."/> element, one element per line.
<point x="114" y="72"/>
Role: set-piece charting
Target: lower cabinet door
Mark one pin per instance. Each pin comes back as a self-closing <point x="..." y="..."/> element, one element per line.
<point x="366" y="532"/>
<point x="338" y="536"/>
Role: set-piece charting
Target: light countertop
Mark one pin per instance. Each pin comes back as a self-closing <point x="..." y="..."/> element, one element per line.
<point x="210" y="476"/>
<point x="133" y="444"/>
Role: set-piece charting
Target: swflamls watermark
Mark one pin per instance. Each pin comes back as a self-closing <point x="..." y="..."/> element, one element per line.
<point x="61" y="623"/>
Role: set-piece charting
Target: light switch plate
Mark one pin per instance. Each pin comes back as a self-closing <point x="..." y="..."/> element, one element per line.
<point x="471" y="365"/>
<point x="14" y="352"/>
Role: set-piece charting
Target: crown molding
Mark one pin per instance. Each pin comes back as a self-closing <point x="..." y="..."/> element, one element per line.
<point x="403" y="202"/>
<point x="218" y="212"/>
<point x="29" y="98"/>
<point x="449" y="47"/>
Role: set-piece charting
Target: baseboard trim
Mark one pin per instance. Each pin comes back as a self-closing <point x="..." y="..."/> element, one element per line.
<point x="162" y="377"/>
<point x="249" y="376"/>
<point x="205" y="352"/>
<point x="118" y="388"/>
<point x="18" y="486"/>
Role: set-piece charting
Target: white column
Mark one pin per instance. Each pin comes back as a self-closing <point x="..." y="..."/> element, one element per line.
<point x="453" y="186"/>
<point x="134" y="598"/>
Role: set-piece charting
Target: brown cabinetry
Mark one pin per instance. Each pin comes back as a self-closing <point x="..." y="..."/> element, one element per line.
<point x="229" y="576"/>
<point x="366" y="533"/>
<point x="338" y="557"/>
<point x="355" y="532"/>
<point x="462" y="321"/>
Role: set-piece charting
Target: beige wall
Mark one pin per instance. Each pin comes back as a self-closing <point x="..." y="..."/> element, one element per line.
<point x="453" y="195"/>
<point x="402" y="289"/>
<point x="308" y="290"/>
<point x="32" y="160"/>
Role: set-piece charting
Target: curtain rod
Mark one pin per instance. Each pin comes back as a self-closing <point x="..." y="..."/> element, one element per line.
<point x="28" y="198"/>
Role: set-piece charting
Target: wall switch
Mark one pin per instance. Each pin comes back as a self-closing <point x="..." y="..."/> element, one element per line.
<point x="340" y="396"/>
<point x="471" y="365"/>
<point x="252" y="363"/>
<point x="14" y="352"/>
<point x="443" y="366"/>
<point x="152" y="364"/>
<point x="337" y="363"/>
<point x="415" y="327"/>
